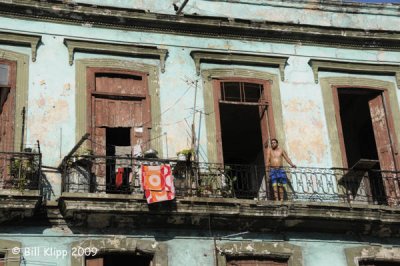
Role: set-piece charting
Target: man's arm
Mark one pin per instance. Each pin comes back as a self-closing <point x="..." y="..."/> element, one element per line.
<point x="287" y="159"/>
<point x="268" y="157"/>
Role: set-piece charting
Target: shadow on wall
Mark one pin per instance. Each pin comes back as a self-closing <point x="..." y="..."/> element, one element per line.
<point x="45" y="186"/>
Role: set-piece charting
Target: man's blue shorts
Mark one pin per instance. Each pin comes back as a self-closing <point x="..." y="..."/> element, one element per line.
<point x="278" y="176"/>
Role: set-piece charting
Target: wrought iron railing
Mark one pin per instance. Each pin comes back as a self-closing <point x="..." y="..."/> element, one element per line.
<point x="20" y="170"/>
<point x="95" y="174"/>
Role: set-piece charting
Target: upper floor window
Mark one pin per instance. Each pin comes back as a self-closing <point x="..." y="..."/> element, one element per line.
<point x="241" y="92"/>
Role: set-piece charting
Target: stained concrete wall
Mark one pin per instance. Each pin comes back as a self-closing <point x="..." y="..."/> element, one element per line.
<point x="54" y="247"/>
<point x="51" y="114"/>
<point x="312" y="12"/>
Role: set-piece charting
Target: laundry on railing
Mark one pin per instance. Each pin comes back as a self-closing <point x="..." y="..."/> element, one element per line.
<point x="158" y="183"/>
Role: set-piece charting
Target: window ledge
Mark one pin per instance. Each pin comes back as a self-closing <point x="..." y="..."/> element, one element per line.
<point x="21" y="39"/>
<point x="350" y="67"/>
<point x="115" y="48"/>
<point x="240" y="59"/>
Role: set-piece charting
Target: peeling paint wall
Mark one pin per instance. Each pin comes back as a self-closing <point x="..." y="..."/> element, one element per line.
<point x="56" y="248"/>
<point x="51" y="117"/>
<point x="312" y="12"/>
<point x="51" y="113"/>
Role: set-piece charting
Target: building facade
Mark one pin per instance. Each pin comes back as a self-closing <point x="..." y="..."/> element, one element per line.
<point x="99" y="101"/>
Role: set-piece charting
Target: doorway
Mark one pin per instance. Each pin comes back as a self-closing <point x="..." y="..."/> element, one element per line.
<point x="243" y="128"/>
<point x="120" y="108"/>
<point x="366" y="138"/>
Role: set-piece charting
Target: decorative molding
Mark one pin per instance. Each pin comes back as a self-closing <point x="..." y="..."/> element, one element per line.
<point x="21" y="39"/>
<point x="374" y="253"/>
<point x="350" y="67"/>
<point x="205" y="26"/>
<point x="154" y="91"/>
<point x="240" y="59"/>
<point x="6" y="247"/>
<point x="210" y="74"/>
<point x="259" y="249"/>
<point x="159" y="251"/>
<point x="115" y="48"/>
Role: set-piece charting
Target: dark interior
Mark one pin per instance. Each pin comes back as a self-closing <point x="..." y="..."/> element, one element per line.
<point x="357" y="128"/>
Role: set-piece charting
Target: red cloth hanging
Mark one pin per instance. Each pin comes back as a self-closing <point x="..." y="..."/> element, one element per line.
<point x="119" y="177"/>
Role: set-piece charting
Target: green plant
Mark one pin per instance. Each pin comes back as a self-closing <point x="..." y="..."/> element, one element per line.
<point x="186" y="152"/>
<point x="22" y="171"/>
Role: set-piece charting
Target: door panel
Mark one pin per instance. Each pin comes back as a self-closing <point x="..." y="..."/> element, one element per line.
<point x="7" y="115"/>
<point x="94" y="261"/>
<point x="118" y="113"/>
<point x="118" y="100"/>
<point x="381" y="132"/>
<point x="121" y="84"/>
<point x="384" y="148"/>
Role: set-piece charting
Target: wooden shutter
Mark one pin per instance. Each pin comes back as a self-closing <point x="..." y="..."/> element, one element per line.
<point x="384" y="148"/>
<point x="94" y="261"/>
<point x="381" y="132"/>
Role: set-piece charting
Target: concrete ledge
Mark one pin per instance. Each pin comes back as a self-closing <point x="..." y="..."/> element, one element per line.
<point x="17" y="205"/>
<point x="103" y="210"/>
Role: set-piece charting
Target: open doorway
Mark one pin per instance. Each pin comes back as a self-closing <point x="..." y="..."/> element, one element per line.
<point x="358" y="134"/>
<point x="119" y="259"/>
<point x="241" y="134"/>
<point x="243" y="125"/>
<point x="366" y="144"/>
<point x="118" y="143"/>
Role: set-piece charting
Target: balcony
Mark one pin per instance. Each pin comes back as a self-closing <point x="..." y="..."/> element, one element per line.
<point x="238" y="197"/>
<point x="20" y="176"/>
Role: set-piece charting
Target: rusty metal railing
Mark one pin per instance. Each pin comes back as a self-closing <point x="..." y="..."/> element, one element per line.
<point x="94" y="174"/>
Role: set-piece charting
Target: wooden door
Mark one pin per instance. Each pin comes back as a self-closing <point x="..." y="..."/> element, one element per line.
<point x="7" y="115"/>
<point x="119" y="99"/>
<point x="94" y="262"/>
<point x="7" y="106"/>
<point x="384" y="147"/>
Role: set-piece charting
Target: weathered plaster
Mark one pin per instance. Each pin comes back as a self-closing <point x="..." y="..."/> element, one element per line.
<point x="330" y="13"/>
<point x="304" y="129"/>
<point x="158" y="250"/>
<point x="263" y="249"/>
<point x="357" y="254"/>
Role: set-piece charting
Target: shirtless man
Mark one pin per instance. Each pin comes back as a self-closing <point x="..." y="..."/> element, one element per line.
<point x="275" y="164"/>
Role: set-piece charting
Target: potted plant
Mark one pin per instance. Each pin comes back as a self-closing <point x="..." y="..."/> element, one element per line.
<point x="185" y="154"/>
<point x="22" y="171"/>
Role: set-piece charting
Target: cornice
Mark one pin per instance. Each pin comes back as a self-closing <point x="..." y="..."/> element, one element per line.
<point x="21" y="39"/>
<point x="193" y="25"/>
<point x="351" y="67"/>
<point x="239" y="58"/>
<point x="115" y="48"/>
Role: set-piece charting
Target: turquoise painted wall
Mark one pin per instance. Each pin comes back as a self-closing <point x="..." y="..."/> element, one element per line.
<point x="54" y="248"/>
<point x="51" y="113"/>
